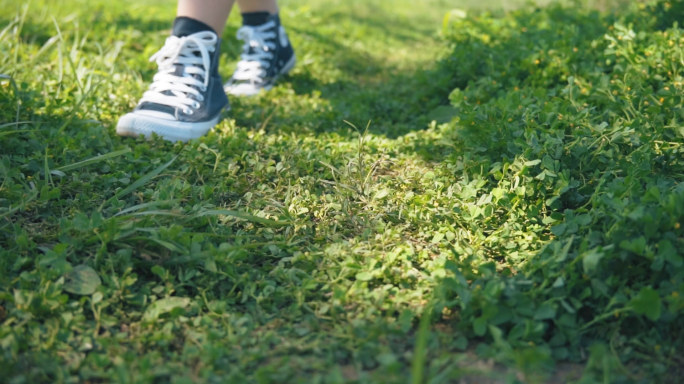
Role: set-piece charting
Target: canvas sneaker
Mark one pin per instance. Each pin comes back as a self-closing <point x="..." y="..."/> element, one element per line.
<point x="266" y="55"/>
<point x="186" y="97"/>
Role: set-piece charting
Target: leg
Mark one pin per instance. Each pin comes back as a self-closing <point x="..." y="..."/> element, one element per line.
<point x="267" y="53"/>
<point x="270" y="6"/>
<point x="214" y="13"/>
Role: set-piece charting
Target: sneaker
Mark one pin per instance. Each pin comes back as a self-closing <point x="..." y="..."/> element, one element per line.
<point x="186" y="97"/>
<point x="266" y="55"/>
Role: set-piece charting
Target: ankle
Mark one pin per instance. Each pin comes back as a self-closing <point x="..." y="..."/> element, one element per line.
<point x="253" y="19"/>
<point x="186" y="26"/>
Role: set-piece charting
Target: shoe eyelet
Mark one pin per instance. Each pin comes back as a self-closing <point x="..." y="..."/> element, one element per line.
<point x="196" y="105"/>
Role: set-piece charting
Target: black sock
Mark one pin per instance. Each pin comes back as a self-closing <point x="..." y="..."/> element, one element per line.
<point x="184" y="26"/>
<point x="255" y="18"/>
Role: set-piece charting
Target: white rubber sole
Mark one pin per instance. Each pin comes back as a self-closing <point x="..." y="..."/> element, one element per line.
<point x="250" y="90"/>
<point x="136" y="124"/>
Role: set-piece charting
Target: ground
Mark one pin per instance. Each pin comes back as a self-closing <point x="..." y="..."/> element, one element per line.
<point x="439" y="192"/>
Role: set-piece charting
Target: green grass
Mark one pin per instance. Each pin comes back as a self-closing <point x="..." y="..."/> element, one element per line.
<point x="490" y="197"/>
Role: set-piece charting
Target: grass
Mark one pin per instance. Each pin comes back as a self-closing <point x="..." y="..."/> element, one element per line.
<point x="491" y="197"/>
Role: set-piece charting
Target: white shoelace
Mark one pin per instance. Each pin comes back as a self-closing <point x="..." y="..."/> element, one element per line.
<point x="257" y="52"/>
<point x="176" y="91"/>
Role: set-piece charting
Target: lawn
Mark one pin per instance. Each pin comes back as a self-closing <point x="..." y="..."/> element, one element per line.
<point x="482" y="191"/>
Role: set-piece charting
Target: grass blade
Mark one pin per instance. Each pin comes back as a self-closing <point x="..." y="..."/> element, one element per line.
<point x="16" y="92"/>
<point x="139" y="207"/>
<point x="243" y="216"/>
<point x="93" y="160"/>
<point x="140" y="182"/>
<point x="420" y="351"/>
<point x="16" y="123"/>
<point x="9" y="211"/>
